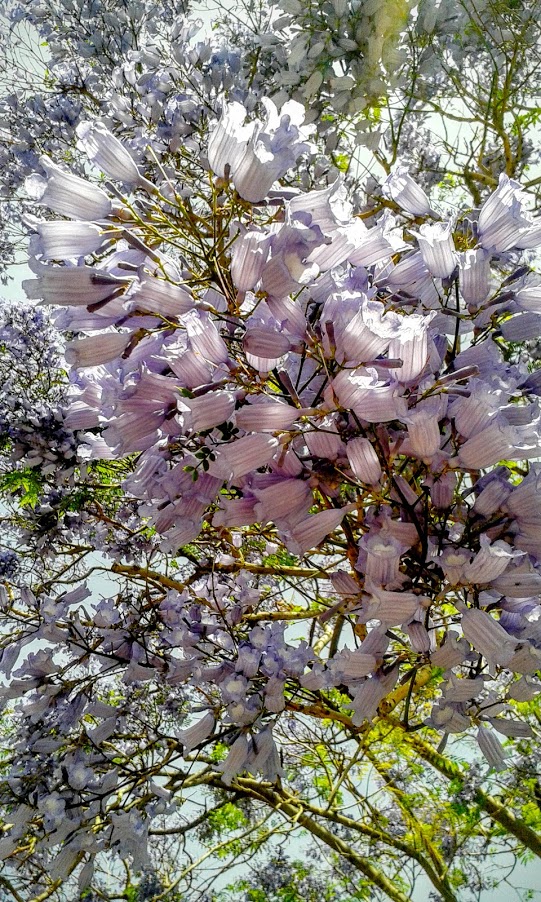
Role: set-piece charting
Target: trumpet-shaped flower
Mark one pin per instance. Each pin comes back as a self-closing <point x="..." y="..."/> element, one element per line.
<point x="311" y="531"/>
<point x="97" y="349"/>
<point x="60" y="240"/>
<point x="67" y="194"/>
<point x="371" y="398"/>
<point x="405" y="192"/>
<point x="229" y="140"/>
<point x="254" y="156"/>
<point x="503" y="218"/>
<point x="474" y="275"/>
<point x="437" y="248"/>
<point x="488" y="637"/>
<point x="239" y="457"/>
<point x="380" y="558"/>
<point x="363" y="460"/>
<point x="110" y="155"/>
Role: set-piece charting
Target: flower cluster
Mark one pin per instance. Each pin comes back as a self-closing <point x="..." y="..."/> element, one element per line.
<point x="363" y="37"/>
<point x="322" y="391"/>
<point x="294" y="393"/>
<point x="32" y="429"/>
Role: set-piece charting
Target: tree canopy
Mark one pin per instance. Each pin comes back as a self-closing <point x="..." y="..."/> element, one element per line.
<point x="270" y="578"/>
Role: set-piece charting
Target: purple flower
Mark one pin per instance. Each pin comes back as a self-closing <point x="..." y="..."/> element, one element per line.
<point x="352" y="665"/>
<point x="401" y="188"/>
<point x="288" y="268"/>
<point x="522" y="326"/>
<point x="437" y="248"/>
<point x="474" y="275"/>
<point x="68" y="194"/>
<point x="503" y="218"/>
<point x="239" y="457"/>
<point x="256" y="155"/>
<point x="363" y="461"/>
<point x="372" y="399"/>
<point x="498" y="442"/>
<point x="204" y="338"/>
<point x="477" y="410"/>
<point x="423" y="423"/>
<point x="367" y="334"/>
<point x="72" y="285"/>
<point x="380" y="558"/>
<point x="265" y="345"/>
<point x="287" y="501"/>
<point x="324" y="440"/>
<point x="209" y="410"/>
<point x="367" y="698"/>
<point x="488" y="637"/>
<point x="110" y="155"/>
<point x="158" y="296"/>
<point x="411" y="347"/>
<point x="491" y="748"/>
<point x="263" y="415"/>
<point x="248" y="257"/>
<point x="229" y="140"/>
<point x="490" y="562"/>
<point x="61" y="240"/>
<point x="236" y="512"/>
<point x="313" y="529"/>
<point x="100" y="348"/>
<point x="236" y="760"/>
<point x="53" y="808"/>
<point x="378" y="243"/>
<point x="389" y="607"/>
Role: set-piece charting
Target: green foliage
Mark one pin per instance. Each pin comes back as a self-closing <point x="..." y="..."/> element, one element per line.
<point x="341" y="161"/>
<point x="227" y="818"/>
<point x="281" y="558"/>
<point x="219" y="752"/>
<point x="204" y="456"/>
<point x="524" y="121"/>
<point x="26" y="485"/>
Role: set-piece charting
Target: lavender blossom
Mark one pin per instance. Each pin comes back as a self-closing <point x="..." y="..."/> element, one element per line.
<point x="491" y="748"/>
<point x="437" y="248"/>
<point x="108" y="153"/>
<point x="67" y="194"/>
<point x="401" y="188"/>
<point x="363" y="461"/>
<point x="488" y="637"/>
<point x="503" y="219"/>
<point x="256" y="155"/>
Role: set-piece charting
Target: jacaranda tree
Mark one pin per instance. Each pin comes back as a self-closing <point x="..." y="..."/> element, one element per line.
<point x="270" y="578"/>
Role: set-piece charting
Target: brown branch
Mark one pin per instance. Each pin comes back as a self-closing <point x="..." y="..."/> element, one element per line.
<point x="260" y="569"/>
